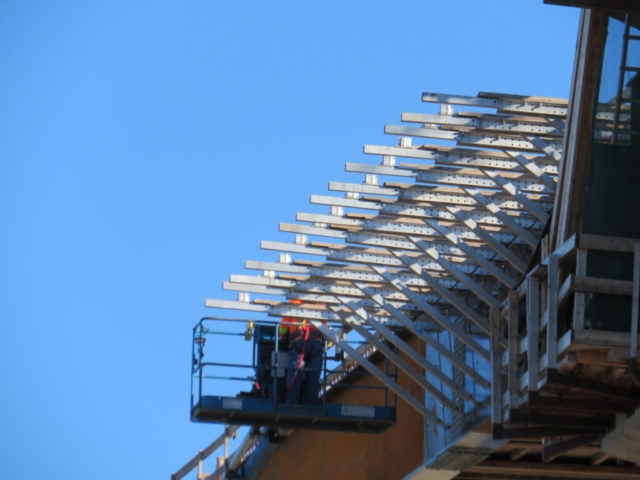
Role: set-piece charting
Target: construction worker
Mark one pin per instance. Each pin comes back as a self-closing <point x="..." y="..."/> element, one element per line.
<point x="306" y="346"/>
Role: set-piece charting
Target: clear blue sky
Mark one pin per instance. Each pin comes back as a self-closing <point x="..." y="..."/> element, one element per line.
<point x="146" y="147"/>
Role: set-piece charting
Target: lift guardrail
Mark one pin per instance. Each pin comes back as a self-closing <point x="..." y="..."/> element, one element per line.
<point x="349" y="398"/>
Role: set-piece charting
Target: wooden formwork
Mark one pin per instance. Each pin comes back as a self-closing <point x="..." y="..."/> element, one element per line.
<point x="561" y="379"/>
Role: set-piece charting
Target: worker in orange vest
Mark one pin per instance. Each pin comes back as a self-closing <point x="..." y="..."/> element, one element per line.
<point x="305" y="344"/>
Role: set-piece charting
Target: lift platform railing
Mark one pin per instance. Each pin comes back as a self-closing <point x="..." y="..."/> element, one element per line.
<point x="220" y="346"/>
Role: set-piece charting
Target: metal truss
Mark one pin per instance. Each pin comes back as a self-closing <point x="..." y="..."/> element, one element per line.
<point x="430" y="258"/>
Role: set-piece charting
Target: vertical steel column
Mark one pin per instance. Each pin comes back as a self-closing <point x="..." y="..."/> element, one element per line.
<point x="496" y="368"/>
<point x="514" y="350"/>
<point x="552" y="310"/>
<point x="533" y="327"/>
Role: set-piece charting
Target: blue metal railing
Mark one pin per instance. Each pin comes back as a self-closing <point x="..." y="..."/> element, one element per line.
<point x="217" y="358"/>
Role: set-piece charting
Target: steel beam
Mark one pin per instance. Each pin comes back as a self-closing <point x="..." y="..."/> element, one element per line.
<point x="510" y="222"/>
<point x="485" y="235"/>
<point x="428" y="339"/>
<point x="453" y="299"/>
<point x="456" y="272"/>
<point x="490" y="267"/>
<point x="511" y="189"/>
<point x="464" y="157"/>
<point x="412" y="354"/>
<point x="434" y="313"/>
<point x="375" y="371"/>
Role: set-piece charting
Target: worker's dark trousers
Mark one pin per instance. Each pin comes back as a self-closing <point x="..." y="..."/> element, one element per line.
<point x="304" y="389"/>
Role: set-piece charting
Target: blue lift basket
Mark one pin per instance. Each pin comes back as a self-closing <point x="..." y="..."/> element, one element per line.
<point x="223" y="391"/>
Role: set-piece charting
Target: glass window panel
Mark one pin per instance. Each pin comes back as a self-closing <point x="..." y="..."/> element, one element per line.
<point x="611" y="61"/>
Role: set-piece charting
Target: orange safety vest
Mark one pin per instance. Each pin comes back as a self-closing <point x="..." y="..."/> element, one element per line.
<point x="297" y="332"/>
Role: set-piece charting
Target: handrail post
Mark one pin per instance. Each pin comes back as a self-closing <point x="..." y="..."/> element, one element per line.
<point x="580" y="297"/>
<point x="226" y="449"/>
<point x="199" y="471"/>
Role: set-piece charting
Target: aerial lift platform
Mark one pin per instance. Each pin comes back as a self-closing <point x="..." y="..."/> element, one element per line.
<point x="214" y="398"/>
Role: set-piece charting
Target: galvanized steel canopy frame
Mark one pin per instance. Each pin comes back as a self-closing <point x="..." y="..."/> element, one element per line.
<point x="430" y="253"/>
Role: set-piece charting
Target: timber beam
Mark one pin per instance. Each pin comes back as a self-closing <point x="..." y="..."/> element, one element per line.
<point x="620" y="393"/>
<point x="523" y="417"/>
<point x="514" y="470"/>
<point x="501" y="432"/>
<point x="551" y="450"/>
<point x="630" y="6"/>
<point x="535" y="399"/>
